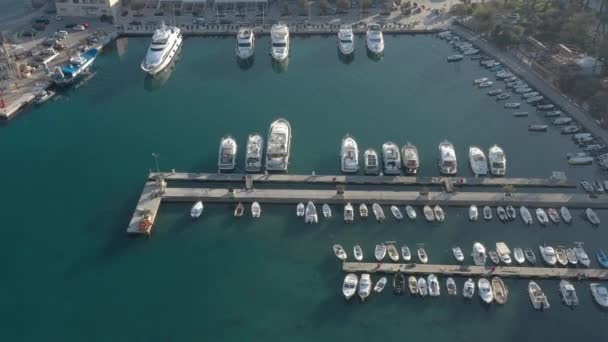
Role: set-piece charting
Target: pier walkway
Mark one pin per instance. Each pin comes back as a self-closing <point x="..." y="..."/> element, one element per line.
<point x="478" y="271"/>
<point x="148" y="203"/>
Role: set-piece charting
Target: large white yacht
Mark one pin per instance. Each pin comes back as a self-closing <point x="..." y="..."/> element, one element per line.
<point x="391" y="158"/>
<point x="498" y="161"/>
<point x="374" y="39"/>
<point x="227" y="154"/>
<point x="245" y="43"/>
<point x="279" y="42"/>
<point x="279" y="144"/>
<point x="346" y="43"/>
<point x="447" y="158"/>
<point x="478" y="161"/>
<point x="253" y="157"/>
<point x="349" y="155"/>
<point x="166" y="42"/>
<point x="409" y="155"/>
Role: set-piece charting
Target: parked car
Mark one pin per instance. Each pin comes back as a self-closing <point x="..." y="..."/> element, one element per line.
<point x="61" y="34"/>
<point x="159" y="14"/>
<point x="48" y="52"/>
<point x="58" y="18"/>
<point x="39" y="26"/>
<point x="43" y="20"/>
<point x="198" y="21"/>
<point x="28" y="33"/>
<point x="59" y="47"/>
<point x="78" y="28"/>
<point x="70" y="25"/>
<point x="135" y="23"/>
<point x="85" y="25"/>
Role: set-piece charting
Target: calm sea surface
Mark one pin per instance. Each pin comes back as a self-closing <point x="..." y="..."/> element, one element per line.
<point x="73" y="170"/>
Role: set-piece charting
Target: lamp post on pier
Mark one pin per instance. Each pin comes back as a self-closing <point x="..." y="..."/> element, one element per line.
<point x="155" y="155"/>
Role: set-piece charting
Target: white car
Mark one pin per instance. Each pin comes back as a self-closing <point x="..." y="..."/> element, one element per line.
<point x="48" y="52"/>
<point x="78" y="28"/>
<point x="61" y="34"/>
<point x="58" y="18"/>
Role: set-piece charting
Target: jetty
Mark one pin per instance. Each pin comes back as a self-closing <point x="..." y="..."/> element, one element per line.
<point x="478" y="271"/>
<point x="147" y="206"/>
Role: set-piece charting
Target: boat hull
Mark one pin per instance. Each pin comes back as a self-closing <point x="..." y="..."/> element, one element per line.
<point x="153" y="70"/>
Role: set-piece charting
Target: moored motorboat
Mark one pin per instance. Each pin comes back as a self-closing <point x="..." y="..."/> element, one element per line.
<point x="346" y="43"/>
<point x="365" y="286"/>
<point x="310" y="216"/>
<point x="530" y="256"/>
<point x="502" y="214"/>
<point x="511" y="105"/>
<point x="405" y="253"/>
<point x="485" y="290"/>
<point x="560" y="256"/>
<point x="525" y="215"/>
<point x="378" y="212"/>
<point x="253" y="157"/>
<point x="537" y="128"/>
<point x="504" y="253"/>
<point x="165" y="45"/>
<point x="374" y="39"/>
<point x="411" y="212"/>
<point x="553" y="215"/>
<point x="434" y="290"/>
<point x="391" y="158"/>
<point x="423" y="289"/>
<point x="592" y="217"/>
<point x="349" y="287"/>
<point x="428" y="213"/>
<point x="380" y="252"/>
<point x="339" y="252"/>
<point x="481" y="80"/>
<point x="498" y="160"/>
<point x="396" y="212"/>
<point x="197" y="210"/>
<point x="349" y="213"/>
<point x="479" y="254"/>
<point x="478" y="161"/>
<point x="518" y="255"/>
<point x="380" y="285"/>
<point x="371" y="163"/>
<point x="239" y="210"/>
<point x="411" y="161"/>
<point x="227" y="154"/>
<point x="326" y="210"/>
<point x="256" y="210"/>
<point x="349" y="155"/>
<point x="363" y="211"/>
<point x="450" y="284"/>
<point x="43" y="96"/>
<point x="500" y="291"/>
<point x="582" y="256"/>
<point x="473" y="213"/>
<point x="458" y="255"/>
<point x="600" y="294"/>
<point x="537" y="296"/>
<point x="566" y="216"/>
<point x="494" y="257"/>
<point x="602" y="259"/>
<point x="571" y="255"/>
<point x="279" y="42"/>
<point x="300" y="209"/>
<point x="358" y="252"/>
<point x="447" y="158"/>
<point x="568" y="293"/>
<point x="541" y="216"/>
<point x="468" y="289"/>
<point x="548" y="254"/>
<point x="413" y="285"/>
<point x="511" y="214"/>
<point x="245" y="43"/>
<point x="439" y="214"/>
<point x="392" y="252"/>
<point x="398" y="283"/>
<point x="422" y="256"/>
<point x="487" y="213"/>
<point x="279" y="145"/>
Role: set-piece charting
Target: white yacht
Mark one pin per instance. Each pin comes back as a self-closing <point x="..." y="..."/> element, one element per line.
<point x="478" y="161"/>
<point x="411" y="162"/>
<point x="166" y="42"/>
<point x="349" y="287"/>
<point x="371" y="162"/>
<point x="548" y="254"/>
<point x="279" y="42"/>
<point x="479" y="254"/>
<point x="255" y="148"/>
<point x="245" y="43"/>
<point x="498" y="161"/>
<point x="374" y="39"/>
<point x="485" y="290"/>
<point x="447" y="158"/>
<point x="279" y="144"/>
<point x="391" y="158"/>
<point x="349" y="155"/>
<point x="346" y="43"/>
<point x="537" y="296"/>
<point x="310" y="215"/>
<point x="227" y="154"/>
<point x="600" y="294"/>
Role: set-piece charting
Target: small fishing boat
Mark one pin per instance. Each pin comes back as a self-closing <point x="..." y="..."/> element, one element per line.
<point x="600" y="294"/>
<point x="537" y="128"/>
<point x="339" y="252"/>
<point x="479" y="254"/>
<point x="300" y="209"/>
<point x="451" y="286"/>
<point x="541" y="216"/>
<point x="511" y="214"/>
<point x="405" y="253"/>
<point x="392" y="253"/>
<point x="568" y="293"/>
<point x="562" y="121"/>
<point x="537" y="296"/>
<point x="448" y="164"/>
<point x="572" y="129"/>
<point x="455" y="58"/>
<point x="365" y="286"/>
<point x="326" y="210"/>
<point x="582" y="256"/>
<point x="413" y="285"/>
<point x="349" y="287"/>
<point x="253" y="157"/>
<point x="434" y="290"/>
<point x="511" y="105"/>
<point x="602" y="259"/>
<point x="500" y="291"/>
<point x="518" y="255"/>
<point x="423" y="289"/>
<point x="227" y="154"/>
<point x="553" y="114"/>
<point x="494" y="257"/>
<point x="378" y="212"/>
<point x="553" y="215"/>
<point x="43" y="96"/>
<point x="571" y="256"/>
<point x="380" y="285"/>
<point x="487" y="213"/>
<point x="310" y="216"/>
<point x="485" y="290"/>
<point x="468" y="290"/>
<point x="481" y="80"/>
<point x="580" y="161"/>
<point x="592" y="217"/>
<point x="458" y="255"/>
<point x="349" y="155"/>
<point x="566" y="216"/>
<point x="371" y="166"/>
<point x="411" y="212"/>
<point x="439" y="215"/>
<point x="396" y="213"/>
<point x="530" y="256"/>
<point x="398" y="283"/>
<point x="504" y="253"/>
<point x="410" y="159"/>
<point x="525" y="215"/>
<point x="239" y="210"/>
<point x="560" y="255"/>
<point x="548" y="254"/>
<point x="363" y="211"/>
<point x="485" y="84"/>
<point x="358" y="253"/>
<point x="502" y="214"/>
<point x="501" y="97"/>
<point x="473" y="213"/>
<point x="197" y="210"/>
<point x="349" y="213"/>
<point x="428" y="213"/>
<point x="391" y="158"/>
<point x="478" y="161"/>
<point x="256" y="210"/>
<point x="422" y="256"/>
<point x="521" y="114"/>
<point x="380" y="252"/>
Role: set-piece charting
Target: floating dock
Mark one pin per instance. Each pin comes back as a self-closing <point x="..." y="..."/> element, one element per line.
<point x="478" y="271"/>
<point x="148" y="204"/>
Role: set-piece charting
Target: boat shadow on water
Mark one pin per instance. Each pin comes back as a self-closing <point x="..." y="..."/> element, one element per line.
<point x="155" y="82"/>
<point x="345" y="59"/>
<point x="245" y="64"/>
<point x="376" y="57"/>
<point x="279" y="67"/>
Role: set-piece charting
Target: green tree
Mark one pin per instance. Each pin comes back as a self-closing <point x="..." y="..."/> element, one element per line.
<point x="576" y="30"/>
<point x="343" y="4"/>
<point x="137" y="5"/>
<point x="507" y="35"/>
<point x="484" y="18"/>
<point x="303" y="6"/>
<point x="323" y="6"/>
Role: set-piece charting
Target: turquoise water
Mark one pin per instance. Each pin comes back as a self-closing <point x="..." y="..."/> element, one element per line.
<point x="74" y="169"/>
<point x="11" y="8"/>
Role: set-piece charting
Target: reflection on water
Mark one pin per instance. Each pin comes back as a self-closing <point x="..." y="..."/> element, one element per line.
<point x="376" y="57"/>
<point x="245" y="64"/>
<point x="345" y="59"/>
<point x="155" y="82"/>
<point x="279" y="67"/>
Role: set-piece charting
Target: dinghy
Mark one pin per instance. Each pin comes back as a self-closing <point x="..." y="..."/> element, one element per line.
<point x="571" y="255"/>
<point x="530" y="256"/>
<point x="434" y="289"/>
<point x="365" y="286"/>
<point x="439" y="215"/>
<point x="428" y="213"/>
<point x="239" y="210"/>
<point x="525" y="215"/>
<point x="423" y="289"/>
<point x="494" y="257"/>
<point x="300" y="208"/>
<point x="457" y="252"/>
<point x="197" y="210"/>
<point x="473" y="213"/>
<point x="451" y="286"/>
<point x="541" y="216"/>
<point x="592" y="217"/>
<point x="363" y="212"/>
<point x="378" y="212"/>
<point x="518" y="255"/>
<point x="256" y="210"/>
<point x="422" y="256"/>
<point x="413" y="285"/>
<point x="358" y="253"/>
<point x="326" y="211"/>
<point x="602" y="259"/>
<point x="380" y="252"/>
<point x="339" y="252"/>
<point x="405" y="253"/>
<point x="502" y="214"/>
<point x="392" y="253"/>
<point x="511" y="214"/>
<point x="349" y="287"/>
<point x="485" y="290"/>
<point x="396" y="213"/>
<point x="566" y="216"/>
<point x="499" y="290"/>
<point x="398" y="283"/>
<point x="411" y="212"/>
<point x="553" y="215"/>
<point x="487" y="213"/>
<point x="380" y="285"/>
<point x="468" y="290"/>
<point x="560" y="255"/>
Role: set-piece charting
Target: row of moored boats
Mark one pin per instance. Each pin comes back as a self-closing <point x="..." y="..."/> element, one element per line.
<point x="544" y="217"/>
<point x="309" y="212"/>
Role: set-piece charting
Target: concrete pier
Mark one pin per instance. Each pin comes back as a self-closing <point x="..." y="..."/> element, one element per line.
<point x="478" y="271"/>
<point x="148" y="203"/>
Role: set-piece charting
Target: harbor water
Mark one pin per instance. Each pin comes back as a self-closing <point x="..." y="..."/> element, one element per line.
<point x="73" y="170"/>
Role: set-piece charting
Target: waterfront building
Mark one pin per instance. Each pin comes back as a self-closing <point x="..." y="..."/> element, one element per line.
<point x="87" y="8"/>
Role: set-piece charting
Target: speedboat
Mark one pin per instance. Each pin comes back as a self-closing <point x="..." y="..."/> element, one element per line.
<point x="349" y="287"/>
<point x="485" y="290"/>
<point x="428" y="213"/>
<point x="458" y="255"/>
<point x="310" y="215"/>
<point x="165" y="45"/>
<point x="392" y="252"/>
<point x="253" y="157"/>
<point x="197" y="210"/>
<point x="537" y="296"/>
<point x="326" y="210"/>
<point x="349" y="213"/>
<point x="380" y="285"/>
<point x="370" y="159"/>
<point x="245" y="43"/>
<point x="500" y="291"/>
<point x="504" y="253"/>
<point x="227" y="154"/>
<point x="468" y="290"/>
<point x="279" y="42"/>
<point x="582" y="256"/>
<point x="487" y="213"/>
<point x="502" y="214"/>
<point x="525" y="215"/>
<point x="279" y="144"/>
<point x="537" y="128"/>
<point x="374" y="39"/>
<point x="481" y="80"/>
<point x="358" y="253"/>
<point x="423" y="288"/>
<point x="478" y="161"/>
<point x="256" y="210"/>
<point x="473" y="212"/>
<point x="411" y="212"/>
<point x="560" y="255"/>
<point x="602" y="259"/>
<point x="365" y="286"/>
<point x="571" y="255"/>
<point x="494" y="257"/>
<point x="346" y="43"/>
<point x="339" y="252"/>
<point x="592" y="217"/>
<point x="396" y="212"/>
<point x="498" y="161"/>
<point x="450" y="284"/>
<point x="434" y="289"/>
<point x="405" y="253"/>
<point x="494" y="92"/>
<point x="530" y="256"/>
<point x="349" y="153"/>
<point x="413" y="285"/>
<point x="398" y="283"/>
<point x="300" y="209"/>
<point x="511" y="214"/>
<point x="447" y="158"/>
<point x="541" y="216"/>
<point x="600" y="294"/>
<point x="380" y="252"/>
<point x="518" y="255"/>
<point x="479" y="254"/>
<point x="512" y="105"/>
<point x="566" y="216"/>
<point x="239" y="210"/>
<point x="363" y="211"/>
<point x="485" y="84"/>
<point x="76" y="67"/>
<point x="439" y="215"/>
<point x="378" y="212"/>
<point x="411" y="161"/>
<point x="422" y="256"/>
<point x="455" y="58"/>
<point x="391" y="158"/>
<point x="553" y="215"/>
<point x="43" y="96"/>
<point x="548" y="254"/>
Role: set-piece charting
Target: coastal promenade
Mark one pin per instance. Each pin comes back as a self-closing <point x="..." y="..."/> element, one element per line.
<point x="478" y="271"/>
